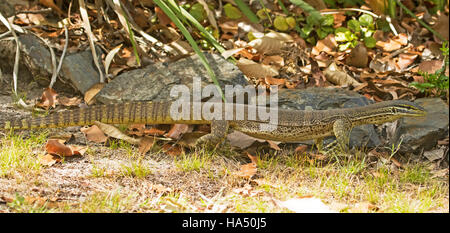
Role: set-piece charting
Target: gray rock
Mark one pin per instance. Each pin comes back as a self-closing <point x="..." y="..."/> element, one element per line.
<point x="155" y="81"/>
<point x="37" y="58"/>
<point x="80" y="70"/>
<point x="416" y="134"/>
<point x="331" y="98"/>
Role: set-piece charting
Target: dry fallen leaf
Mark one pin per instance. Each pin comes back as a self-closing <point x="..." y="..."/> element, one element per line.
<point x="301" y="149"/>
<point x="273" y="145"/>
<point x="394" y="43"/>
<point x="69" y="102"/>
<point x="94" y="133"/>
<point x="48" y="99"/>
<point x="336" y="76"/>
<point x="116" y="133"/>
<point x="49" y="159"/>
<point x="90" y="94"/>
<point x="146" y="144"/>
<point x="255" y="70"/>
<point x="177" y="130"/>
<point x="253" y="158"/>
<point x="327" y="45"/>
<point x="271" y="42"/>
<point x="173" y="150"/>
<point x="358" y="56"/>
<point x="247" y="171"/>
<point x="240" y="140"/>
<point x="53" y="146"/>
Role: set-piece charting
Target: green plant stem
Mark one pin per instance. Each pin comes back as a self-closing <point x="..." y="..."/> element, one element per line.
<point x="169" y="12"/>
<point x="247" y="11"/>
<point x="420" y="21"/>
<point x="265" y="11"/>
<point x="133" y="41"/>
<point x="285" y="10"/>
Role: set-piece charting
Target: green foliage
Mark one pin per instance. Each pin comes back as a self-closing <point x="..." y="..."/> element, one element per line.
<point x="231" y="11"/>
<point x="438" y="81"/>
<point x="198" y="12"/>
<point x="344" y="3"/>
<point x="356" y="30"/>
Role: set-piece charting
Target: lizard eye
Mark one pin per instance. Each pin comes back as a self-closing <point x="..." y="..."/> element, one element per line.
<point x="394" y="110"/>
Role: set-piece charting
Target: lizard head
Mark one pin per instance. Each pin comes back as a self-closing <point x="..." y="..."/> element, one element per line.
<point x="403" y="108"/>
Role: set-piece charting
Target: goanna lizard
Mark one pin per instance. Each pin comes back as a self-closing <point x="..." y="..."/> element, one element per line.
<point x="292" y="125"/>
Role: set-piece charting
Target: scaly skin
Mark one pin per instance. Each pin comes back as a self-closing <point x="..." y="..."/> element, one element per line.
<point x="293" y="125"/>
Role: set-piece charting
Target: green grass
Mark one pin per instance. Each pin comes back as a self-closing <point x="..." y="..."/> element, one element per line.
<point x="192" y="162"/>
<point x="112" y="202"/>
<point x="136" y="169"/>
<point x="17" y="154"/>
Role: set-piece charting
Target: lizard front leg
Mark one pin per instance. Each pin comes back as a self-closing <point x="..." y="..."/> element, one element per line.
<point x="219" y="130"/>
<point x="342" y="129"/>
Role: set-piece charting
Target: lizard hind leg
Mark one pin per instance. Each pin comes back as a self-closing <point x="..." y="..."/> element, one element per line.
<point x="342" y="129"/>
<point x="219" y="130"/>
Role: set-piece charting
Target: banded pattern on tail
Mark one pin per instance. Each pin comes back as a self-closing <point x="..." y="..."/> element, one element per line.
<point x="132" y="112"/>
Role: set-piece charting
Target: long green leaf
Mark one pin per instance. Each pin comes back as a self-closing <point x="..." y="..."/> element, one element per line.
<point x="194" y="22"/>
<point x="247" y="11"/>
<point x="161" y="4"/>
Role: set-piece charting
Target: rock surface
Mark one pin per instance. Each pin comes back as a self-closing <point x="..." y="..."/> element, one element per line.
<point x="155" y="81"/>
<point x="331" y="98"/>
<point x="416" y="134"/>
<point x="78" y="68"/>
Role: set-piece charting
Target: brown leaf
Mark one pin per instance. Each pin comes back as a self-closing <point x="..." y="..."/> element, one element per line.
<point x="177" y="130"/>
<point x="240" y="140"/>
<point x="53" y="146"/>
<point x="441" y="27"/>
<point x="94" y="133"/>
<point x="112" y="131"/>
<point x="273" y="145"/>
<point x="51" y="4"/>
<point x="163" y="19"/>
<point x="301" y="149"/>
<point x="253" y="158"/>
<point x="255" y="70"/>
<point x="404" y="60"/>
<point x="90" y="94"/>
<point x="275" y="60"/>
<point x="335" y="75"/>
<point x="146" y="144"/>
<point x="394" y="43"/>
<point x="247" y="170"/>
<point x="48" y="99"/>
<point x="173" y="150"/>
<point x="69" y="102"/>
<point x="358" y="56"/>
<point x="136" y="129"/>
<point x="327" y="45"/>
<point x="270" y="42"/>
<point x="49" y="160"/>
<point x="154" y="131"/>
<point x="339" y="19"/>
<point x="275" y="81"/>
<point x="430" y="66"/>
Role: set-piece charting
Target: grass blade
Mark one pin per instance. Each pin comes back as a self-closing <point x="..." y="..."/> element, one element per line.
<point x="87" y="27"/>
<point x="187" y="35"/>
<point x="247" y="11"/>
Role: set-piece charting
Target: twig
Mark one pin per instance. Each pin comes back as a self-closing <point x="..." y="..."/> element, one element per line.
<point x="87" y="27"/>
<point x="17" y="57"/>
<point x="55" y="74"/>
